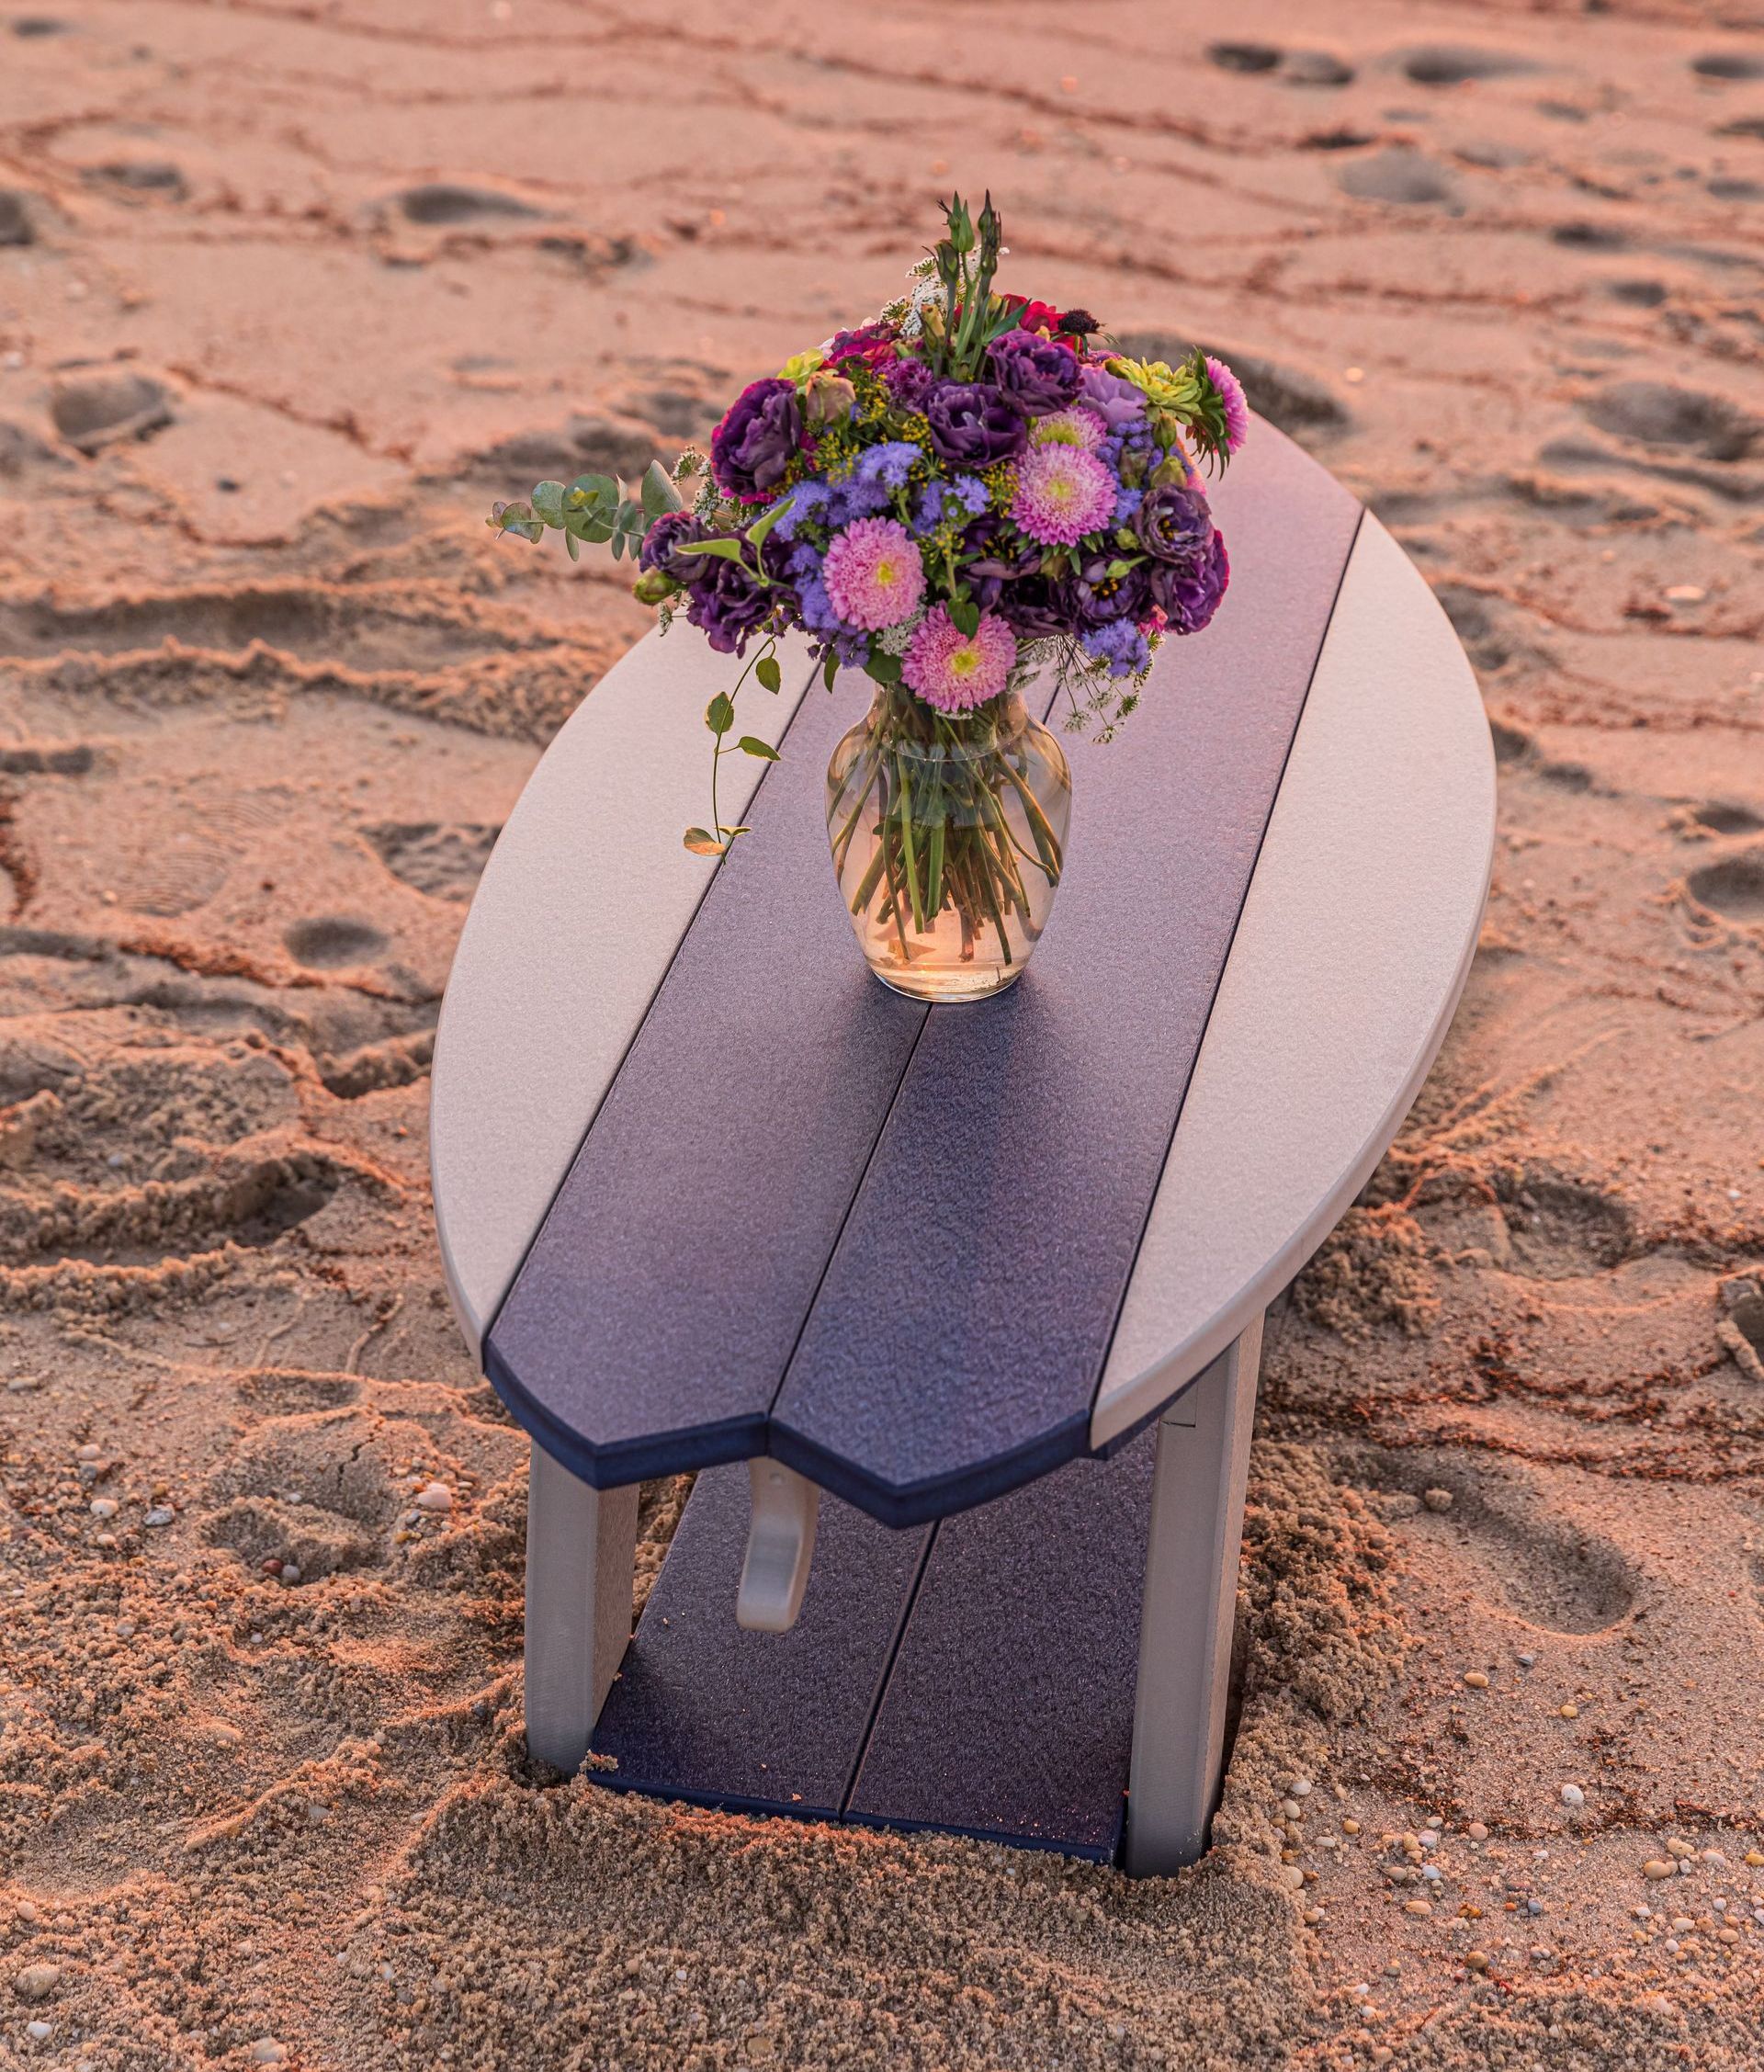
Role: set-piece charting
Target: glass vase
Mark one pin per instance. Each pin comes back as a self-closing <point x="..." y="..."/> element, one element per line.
<point x="948" y="832"/>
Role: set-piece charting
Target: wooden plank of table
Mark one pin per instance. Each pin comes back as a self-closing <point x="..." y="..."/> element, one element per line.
<point x="575" y="920"/>
<point x="646" y="1329"/>
<point x="757" y="1721"/>
<point x="1356" y="939"/>
<point x="955" y="1347"/>
<point x="1009" y="1712"/>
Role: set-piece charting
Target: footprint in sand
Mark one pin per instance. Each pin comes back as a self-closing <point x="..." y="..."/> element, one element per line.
<point x="1662" y="415"/>
<point x="443" y="861"/>
<point x="139" y="176"/>
<point x="317" y="1489"/>
<point x="94" y="410"/>
<point x="1511" y="1554"/>
<point x="333" y="942"/>
<point x="16" y="226"/>
<point x="1731" y="886"/>
<point x="1296" y="68"/>
<point x="1562" y="1230"/>
<point x="1450" y="65"/>
<point x="1729" y="64"/>
<point x="441" y="204"/>
<point x="1400" y="176"/>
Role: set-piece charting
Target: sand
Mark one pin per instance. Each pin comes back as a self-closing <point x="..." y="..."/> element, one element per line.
<point x="287" y="294"/>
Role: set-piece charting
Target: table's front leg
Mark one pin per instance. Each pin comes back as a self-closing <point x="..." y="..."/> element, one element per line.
<point x="1188" y="1610"/>
<point x="580" y="1554"/>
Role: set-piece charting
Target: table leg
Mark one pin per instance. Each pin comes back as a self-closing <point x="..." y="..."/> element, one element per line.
<point x="1187" y="1618"/>
<point x="581" y="1550"/>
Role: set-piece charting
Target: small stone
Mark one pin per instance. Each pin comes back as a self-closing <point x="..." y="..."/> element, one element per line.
<point x="1293" y="1878"/>
<point x="1755" y="1857"/>
<point x="1526" y="1660"/>
<point x="158" y="1516"/>
<point x="105" y="1507"/>
<point x="1476" y="1831"/>
<point x="436" y="1497"/>
<point x="271" y="1566"/>
<point x="1301" y="1787"/>
<point x="1350" y="1827"/>
<point x="40" y="2032"/>
<point x="268" y="2051"/>
<point x="1477" y="1960"/>
<point x="1678" y="1848"/>
<point x="1314" y="1914"/>
<point x="26" y="1909"/>
<point x="1417" y="1907"/>
<point x="1428" y="1837"/>
<point x="36" y="1981"/>
<point x="1437" y="1499"/>
<point x="1290" y="1808"/>
<point x="1476" y="1679"/>
<point x="124" y="1629"/>
<point x="290" y="1574"/>
<point x="1570" y="1711"/>
<point x="1656" y="1868"/>
<point x="89" y="1452"/>
<point x="20" y="1385"/>
<point x="1573" y="1796"/>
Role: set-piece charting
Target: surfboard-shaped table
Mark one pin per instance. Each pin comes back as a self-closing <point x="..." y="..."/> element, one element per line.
<point x="990" y="1276"/>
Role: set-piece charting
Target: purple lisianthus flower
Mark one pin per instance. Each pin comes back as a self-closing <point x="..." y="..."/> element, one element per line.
<point x="1097" y="598"/>
<point x="1121" y="644"/>
<point x="726" y="604"/>
<point x="1120" y="405"/>
<point x="757" y="439"/>
<point x="662" y="542"/>
<point x="973" y="424"/>
<point x="1037" y="606"/>
<point x="909" y="382"/>
<point x="1038" y="374"/>
<point x="990" y="564"/>
<point x="1188" y="593"/>
<point x="1174" y="525"/>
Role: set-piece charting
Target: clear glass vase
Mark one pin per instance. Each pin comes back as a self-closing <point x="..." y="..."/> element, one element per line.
<point x="948" y="832"/>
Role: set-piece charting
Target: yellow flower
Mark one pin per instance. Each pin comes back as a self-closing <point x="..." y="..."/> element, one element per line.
<point x="1164" y="387"/>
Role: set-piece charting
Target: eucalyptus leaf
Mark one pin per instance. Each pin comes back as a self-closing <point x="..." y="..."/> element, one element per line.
<point x="600" y="490"/>
<point x="574" y="545"/>
<point x="548" y="503"/>
<point x="659" y="493"/>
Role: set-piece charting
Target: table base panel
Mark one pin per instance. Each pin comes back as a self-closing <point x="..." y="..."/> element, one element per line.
<point x="975" y="1677"/>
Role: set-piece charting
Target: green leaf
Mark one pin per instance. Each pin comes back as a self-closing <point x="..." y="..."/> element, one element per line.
<point x="599" y="493"/>
<point x="762" y="525"/>
<point x="701" y="844"/>
<point x="548" y="503"/>
<point x="659" y="493"/>
<point x="750" y="745"/>
<point x="829" y="668"/>
<point x="769" y="675"/>
<point x="575" y="546"/>
<point x="720" y="714"/>
<point x="967" y="618"/>
<point x="884" y="668"/>
<point x="619" y="545"/>
<point x="730" y="549"/>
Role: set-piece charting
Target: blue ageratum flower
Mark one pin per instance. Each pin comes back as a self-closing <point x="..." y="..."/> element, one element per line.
<point x="1121" y="645"/>
<point x="800" y="505"/>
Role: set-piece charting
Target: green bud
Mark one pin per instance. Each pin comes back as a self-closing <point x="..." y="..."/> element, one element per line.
<point x="1169" y="474"/>
<point x="653" y="587"/>
<point x="827" y="399"/>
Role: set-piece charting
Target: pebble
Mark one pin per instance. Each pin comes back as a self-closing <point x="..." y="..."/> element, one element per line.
<point x="1755" y="1857"/>
<point x="1437" y="1499"/>
<point x="1290" y="1808"/>
<point x="124" y="1629"/>
<point x="158" y="1516"/>
<point x="20" y="1385"/>
<point x="1353" y="1827"/>
<point x="1678" y="1848"/>
<point x="1293" y="1878"/>
<point x="1477" y="1960"/>
<point x="271" y="1566"/>
<point x="290" y="1573"/>
<point x="105" y="1507"/>
<point x="40" y="2031"/>
<point x="36" y="1981"/>
<point x="268" y="2051"/>
<point x="1301" y="1787"/>
<point x="1478" y="1832"/>
<point x="1570" y="1711"/>
<point x="89" y="1452"/>
<point x="1525" y="1661"/>
<point x="437" y="1496"/>
<point x="1417" y="1907"/>
<point x="1656" y="1868"/>
<point x="1476" y="1679"/>
<point x="1572" y="1795"/>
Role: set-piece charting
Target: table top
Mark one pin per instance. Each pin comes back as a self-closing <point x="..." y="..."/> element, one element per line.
<point x="705" y="1189"/>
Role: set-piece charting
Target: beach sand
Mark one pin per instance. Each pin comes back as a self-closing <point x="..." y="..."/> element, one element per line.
<point x="287" y="294"/>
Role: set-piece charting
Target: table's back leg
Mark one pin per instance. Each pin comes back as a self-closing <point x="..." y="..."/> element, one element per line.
<point x="580" y="1551"/>
<point x="1188" y="1612"/>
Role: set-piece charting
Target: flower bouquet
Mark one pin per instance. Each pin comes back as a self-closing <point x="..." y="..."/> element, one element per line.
<point x="969" y="496"/>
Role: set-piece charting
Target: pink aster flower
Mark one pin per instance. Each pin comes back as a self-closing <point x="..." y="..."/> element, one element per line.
<point x="1074" y="426"/>
<point x="873" y="574"/>
<point x="1237" y="411"/>
<point x="1062" y="493"/>
<point x="957" y="670"/>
